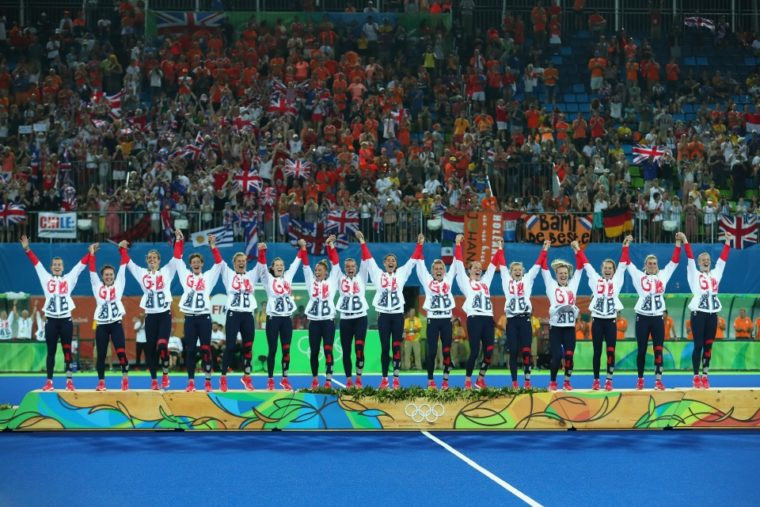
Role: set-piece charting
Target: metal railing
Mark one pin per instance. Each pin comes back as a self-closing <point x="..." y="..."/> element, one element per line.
<point x="404" y="228"/>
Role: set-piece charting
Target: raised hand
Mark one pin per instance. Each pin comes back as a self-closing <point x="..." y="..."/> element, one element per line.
<point x="93" y="248"/>
<point x="627" y="241"/>
<point x="331" y="240"/>
<point x="359" y="237"/>
<point x="124" y="244"/>
<point x="212" y="240"/>
<point x="729" y="237"/>
<point x="575" y="246"/>
<point x="302" y="244"/>
<point x="459" y="239"/>
<point x="178" y="234"/>
<point x="547" y="245"/>
<point x="24" y="242"/>
<point x="421" y="239"/>
<point x="500" y="243"/>
<point x="262" y="246"/>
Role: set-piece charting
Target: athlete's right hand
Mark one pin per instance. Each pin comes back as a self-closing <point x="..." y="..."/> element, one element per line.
<point x="628" y="240"/>
<point x="93" y="248"/>
<point x="262" y="246"/>
<point x="359" y="236"/>
<point x="24" y="242"/>
<point x="459" y="239"/>
<point x="124" y="244"/>
<point x="547" y="245"/>
<point x="421" y="239"/>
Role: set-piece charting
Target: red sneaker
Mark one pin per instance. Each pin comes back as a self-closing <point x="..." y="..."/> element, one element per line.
<point x="384" y="383"/>
<point x="223" y="383"/>
<point x="285" y="384"/>
<point x="705" y="382"/>
<point x="396" y="383"/>
<point x="608" y="384"/>
<point x="445" y="385"/>
<point x="207" y="386"/>
<point x="552" y="385"/>
<point x="515" y="385"/>
<point x="595" y="385"/>
<point x="124" y="384"/>
<point x="314" y="384"/>
<point x="349" y="383"/>
<point x="697" y="382"/>
<point x="165" y="381"/>
<point x="48" y="385"/>
<point x="358" y="383"/>
<point x="154" y="384"/>
<point x="70" y="385"/>
<point x="566" y="386"/>
<point x="101" y="386"/>
<point x="659" y="385"/>
<point x="270" y="384"/>
<point x="431" y="385"/>
<point x="190" y="386"/>
<point x="328" y="384"/>
<point x="468" y="383"/>
<point x="640" y="383"/>
<point x="527" y="384"/>
<point x="480" y="383"/>
<point x="247" y="382"/>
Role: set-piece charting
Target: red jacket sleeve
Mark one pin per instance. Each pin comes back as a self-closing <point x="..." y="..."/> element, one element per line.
<point x="366" y="254"/>
<point x="124" y="255"/>
<point x="91" y="262"/>
<point x="217" y="255"/>
<point x="304" y="255"/>
<point x="689" y="252"/>
<point x="418" y="252"/>
<point x="458" y="252"/>
<point x="263" y="256"/>
<point x="498" y="258"/>
<point x="541" y="261"/>
<point x="625" y="255"/>
<point x="32" y="257"/>
<point x="332" y="254"/>
<point x="580" y="259"/>
<point x="179" y="248"/>
<point x="676" y="255"/>
<point x="724" y="252"/>
<point x="85" y="259"/>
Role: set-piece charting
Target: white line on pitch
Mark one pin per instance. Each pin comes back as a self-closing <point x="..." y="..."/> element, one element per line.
<point x="339" y="383"/>
<point x="498" y="480"/>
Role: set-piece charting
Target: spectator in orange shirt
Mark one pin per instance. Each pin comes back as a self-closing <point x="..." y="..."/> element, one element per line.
<point x="689" y="334"/>
<point x="672" y="73"/>
<point x="538" y="17"/>
<point x="581" y="329"/>
<point x="743" y="326"/>
<point x="489" y="202"/>
<point x="551" y="76"/>
<point x="580" y="132"/>
<point x="596" y="66"/>
<point x="670" y="331"/>
<point x="720" y="333"/>
<point x="622" y="325"/>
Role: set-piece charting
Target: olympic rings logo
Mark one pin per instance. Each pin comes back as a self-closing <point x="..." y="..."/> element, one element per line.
<point x="303" y="347"/>
<point x="424" y="412"/>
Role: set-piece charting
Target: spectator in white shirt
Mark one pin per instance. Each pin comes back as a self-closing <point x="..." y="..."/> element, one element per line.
<point x="24" y="324"/>
<point x="139" y="327"/>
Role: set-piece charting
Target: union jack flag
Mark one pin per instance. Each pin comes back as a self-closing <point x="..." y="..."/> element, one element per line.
<point x="5" y="177"/>
<point x="249" y="181"/>
<point x="313" y="234"/>
<point x="174" y="21"/>
<point x="297" y="168"/>
<point x="113" y="102"/>
<point x="742" y="227"/>
<point x="697" y="22"/>
<point x="342" y="222"/>
<point x="251" y="237"/>
<point x="196" y="148"/>
<point x="11" y="213"/>
<point x="269" y="196"/>
<point x="280" y="105"/>
<point x="643" y="153"/>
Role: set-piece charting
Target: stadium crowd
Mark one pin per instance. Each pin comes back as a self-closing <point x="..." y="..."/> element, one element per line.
<point x="396" y="125"/>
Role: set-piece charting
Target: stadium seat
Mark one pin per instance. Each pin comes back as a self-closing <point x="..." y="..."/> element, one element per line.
<point x="579" y="88"/>
<point x="571" y="108"/>
<point x="569" y="97"/>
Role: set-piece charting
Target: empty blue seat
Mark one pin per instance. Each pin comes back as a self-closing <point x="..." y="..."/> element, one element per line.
<point x="569" y="97"/>
<point x="566" y="51"/>
<point x="571" y="108"/>
<point x="581" y="97"/>
<point x="584" y="107"/>
<point x="702" y="60"/>
<point x="556" y="60"/>
<point x="749" y="61"/>
<point x="627" y="149"/>
<point x="690" y="60"/>
<point x="579" y="88"/>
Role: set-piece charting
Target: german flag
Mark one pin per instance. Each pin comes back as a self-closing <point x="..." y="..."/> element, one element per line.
<point x="617" y="221"/>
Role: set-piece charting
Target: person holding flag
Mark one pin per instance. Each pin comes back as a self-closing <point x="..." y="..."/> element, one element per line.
<point x="195" y="304"/>
<point x="108" y="290"/>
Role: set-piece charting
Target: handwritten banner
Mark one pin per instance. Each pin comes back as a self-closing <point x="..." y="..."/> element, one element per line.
<point x="561" y="229"/>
